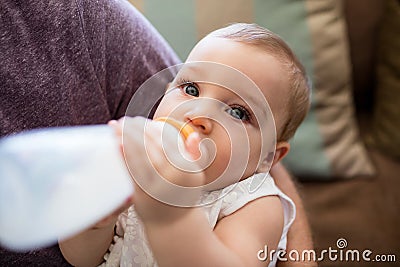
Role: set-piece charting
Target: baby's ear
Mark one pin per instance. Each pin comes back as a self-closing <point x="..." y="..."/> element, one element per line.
<point x="281" y="150"/>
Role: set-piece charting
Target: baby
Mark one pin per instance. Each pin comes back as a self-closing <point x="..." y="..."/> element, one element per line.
<point x="237" y="84"/>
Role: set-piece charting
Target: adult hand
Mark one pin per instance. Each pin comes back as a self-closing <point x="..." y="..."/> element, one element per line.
<point x="299" y="237"/>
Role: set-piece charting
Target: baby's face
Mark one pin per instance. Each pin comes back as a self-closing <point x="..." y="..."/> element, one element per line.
<point x="212" y="93"/>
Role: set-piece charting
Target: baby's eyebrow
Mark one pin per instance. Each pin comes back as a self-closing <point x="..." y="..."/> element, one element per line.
<point x="189" y="70"/>
<point x="254" y="104"/>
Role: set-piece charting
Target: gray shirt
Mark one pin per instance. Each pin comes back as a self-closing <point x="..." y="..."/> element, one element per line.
<point x="71" y="63"/>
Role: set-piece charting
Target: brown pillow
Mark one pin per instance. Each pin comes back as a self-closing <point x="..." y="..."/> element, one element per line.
<point x="386" y="119"/>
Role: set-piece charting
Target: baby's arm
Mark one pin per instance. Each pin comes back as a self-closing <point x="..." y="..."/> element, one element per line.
<point x="181" y="236"/>
<point x="189" y="241"/>
<point x="250" y="229"/>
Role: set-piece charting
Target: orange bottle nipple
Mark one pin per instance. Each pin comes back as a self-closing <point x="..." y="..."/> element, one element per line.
<point x="184" y="129"/>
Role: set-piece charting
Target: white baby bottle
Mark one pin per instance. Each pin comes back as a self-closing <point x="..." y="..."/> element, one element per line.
<point x="56" y="182"/>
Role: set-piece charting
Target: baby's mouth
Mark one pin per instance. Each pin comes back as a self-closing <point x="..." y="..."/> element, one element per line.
<point x="184" y="128"/>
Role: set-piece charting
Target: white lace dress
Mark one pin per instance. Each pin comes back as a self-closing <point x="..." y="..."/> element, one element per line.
<point x="130" y="247"/>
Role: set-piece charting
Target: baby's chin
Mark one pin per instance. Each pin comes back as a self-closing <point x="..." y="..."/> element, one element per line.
<point x="220" y="179"/>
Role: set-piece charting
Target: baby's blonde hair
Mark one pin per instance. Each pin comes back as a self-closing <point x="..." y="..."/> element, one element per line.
<point x="299" y="102"/>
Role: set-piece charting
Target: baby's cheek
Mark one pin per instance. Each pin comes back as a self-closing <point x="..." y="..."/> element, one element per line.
<point x="166" y="106"/>
<point x="161" y="111"/>
<point x="220" y="162"/>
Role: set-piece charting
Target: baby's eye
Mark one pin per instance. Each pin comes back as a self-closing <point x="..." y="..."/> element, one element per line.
<point x="239" y="113"/>
<point x="191" y="89"/>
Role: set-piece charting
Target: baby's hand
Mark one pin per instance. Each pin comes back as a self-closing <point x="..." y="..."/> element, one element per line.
<point x="163" y="174"/>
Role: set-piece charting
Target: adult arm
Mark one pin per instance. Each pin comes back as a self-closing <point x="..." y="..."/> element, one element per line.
<point x="88" y="247"/>
<point x="125" y="50"/>
<point x="299" y="237"/>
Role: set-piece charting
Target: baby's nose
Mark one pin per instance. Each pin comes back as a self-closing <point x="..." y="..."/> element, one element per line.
<point x="201" y="124"/>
